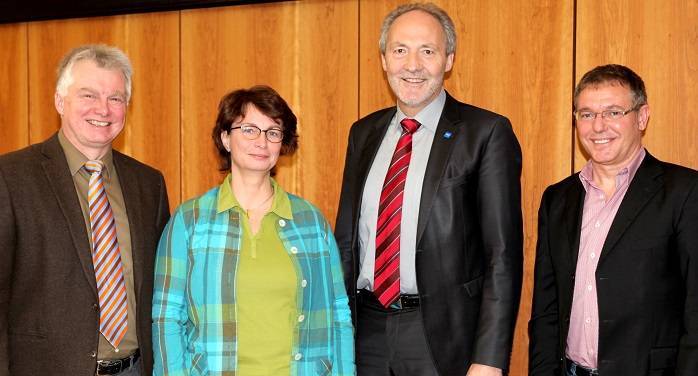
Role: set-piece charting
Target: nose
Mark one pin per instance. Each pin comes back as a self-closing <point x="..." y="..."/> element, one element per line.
<point x="598" y="124"/>
<point x="102" y="107"/>
<point x="413" y="62"/>
<point x="261" y="141"/>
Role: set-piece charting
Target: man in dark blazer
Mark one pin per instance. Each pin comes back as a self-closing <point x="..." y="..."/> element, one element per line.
<point x="449" y="304"/>
<point x="49" y="303"/>
<point x="616" y="272"/>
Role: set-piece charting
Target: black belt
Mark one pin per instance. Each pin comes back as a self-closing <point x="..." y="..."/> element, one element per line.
<point x="581" y="370"/>
<point x="112" y="367"/>
<point x="406" y="301"/>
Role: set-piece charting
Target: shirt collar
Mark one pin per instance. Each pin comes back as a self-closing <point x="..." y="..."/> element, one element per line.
<point x="281" y="204"/>
<point x="586" y="175"/>
<point x="429" y="116"/>
<point x="76" y="160"/>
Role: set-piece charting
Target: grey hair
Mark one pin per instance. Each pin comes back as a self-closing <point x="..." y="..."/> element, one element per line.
<point x="429" y="8"/>
<point x="104" y="56"/>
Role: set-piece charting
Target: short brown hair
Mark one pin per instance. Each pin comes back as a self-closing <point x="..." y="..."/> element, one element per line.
<point x="613" y="74"/>
<point x="234" y="105"/>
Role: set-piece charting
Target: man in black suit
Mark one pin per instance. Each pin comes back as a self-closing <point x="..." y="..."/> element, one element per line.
<point x="434" y="270"/>
<point x="616" y="273"/>
<point x="74" y="301"/>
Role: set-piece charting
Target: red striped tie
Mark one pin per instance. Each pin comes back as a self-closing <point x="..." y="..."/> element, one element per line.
<point x="386" y="283"/>
<point x="106" y="259"/>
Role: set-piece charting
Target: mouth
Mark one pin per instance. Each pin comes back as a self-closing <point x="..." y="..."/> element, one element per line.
<point x="601" y="141"/>
<point x="98" y="123"/>
<point x="414" y="81"/>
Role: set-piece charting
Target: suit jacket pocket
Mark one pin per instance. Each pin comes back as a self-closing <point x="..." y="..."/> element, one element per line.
<point x="27" y="334"/>
<point x="474" y="287"/>
<point x="663" y="357"/>
<point x="454" y="181"/>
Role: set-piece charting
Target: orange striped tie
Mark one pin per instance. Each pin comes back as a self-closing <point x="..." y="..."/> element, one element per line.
<point x="106" y="258"/>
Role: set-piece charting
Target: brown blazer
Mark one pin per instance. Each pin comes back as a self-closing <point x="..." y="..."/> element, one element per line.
<point x="48" y="296"/>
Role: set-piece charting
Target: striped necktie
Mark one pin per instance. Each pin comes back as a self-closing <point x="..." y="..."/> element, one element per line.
<point x="106" y="259"/>
<point x="386" y="282"/>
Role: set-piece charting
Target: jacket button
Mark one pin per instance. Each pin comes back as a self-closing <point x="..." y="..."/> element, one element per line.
<point x="95" y="307"/>
<point x="93" y="354"/>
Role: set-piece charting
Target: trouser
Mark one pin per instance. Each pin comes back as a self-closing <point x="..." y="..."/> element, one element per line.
<point x="391" y="342"/>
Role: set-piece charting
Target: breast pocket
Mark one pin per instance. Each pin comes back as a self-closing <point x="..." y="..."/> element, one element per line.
<point x="454" y="181"/>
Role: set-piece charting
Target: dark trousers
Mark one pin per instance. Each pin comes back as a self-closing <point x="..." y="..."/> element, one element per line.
<point x="391" y="342"/>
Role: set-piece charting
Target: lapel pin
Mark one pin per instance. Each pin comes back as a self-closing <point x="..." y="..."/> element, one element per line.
<point x="448" y="134"/>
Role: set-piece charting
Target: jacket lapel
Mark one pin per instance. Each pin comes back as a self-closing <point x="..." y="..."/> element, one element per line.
<point x="56" y="168"/>
<point x="572" y="219"/>
<point x="642" y="188"/>
<point x="131" y="192"/>
<point x="438" y="159"/>
<point x="368" y="153"/>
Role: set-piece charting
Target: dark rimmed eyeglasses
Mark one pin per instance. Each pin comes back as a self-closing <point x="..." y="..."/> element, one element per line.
<point x="252" y="132"/>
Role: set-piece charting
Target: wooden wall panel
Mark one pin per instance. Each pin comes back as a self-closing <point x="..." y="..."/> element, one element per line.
<point x="656" y="39"/>
<point x="14" y="91"/>
<point x="152" y="42"/>
<point x="280" y="45"/>
<point x="513" y="58"/>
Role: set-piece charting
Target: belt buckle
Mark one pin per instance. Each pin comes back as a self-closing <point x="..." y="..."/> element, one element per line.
<point x="111" y="367"/>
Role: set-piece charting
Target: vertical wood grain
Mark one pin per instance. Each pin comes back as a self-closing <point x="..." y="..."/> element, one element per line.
<point x="513" y="58"/>
<point x="656" y="39"/>
<point x="285" y="46"/>
<point x="152" y="43"/>
<point x="14" y="90"/>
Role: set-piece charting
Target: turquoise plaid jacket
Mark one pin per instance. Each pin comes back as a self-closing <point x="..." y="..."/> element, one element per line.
<point x="194" y="312"/>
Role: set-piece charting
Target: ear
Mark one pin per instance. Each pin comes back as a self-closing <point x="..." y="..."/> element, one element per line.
<point x="449" y="62"/>
<point x="58" y="102"/>
<point x="643" y="117"/>
<point x="225" y="139"/>
<point x="385" y="66"/>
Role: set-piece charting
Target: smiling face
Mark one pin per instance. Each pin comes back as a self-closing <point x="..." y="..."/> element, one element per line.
<point x="252" y="156"/>
<point x="93" y="109"/>
<point x="611" y="144"/>
<point x="415" y="60"/>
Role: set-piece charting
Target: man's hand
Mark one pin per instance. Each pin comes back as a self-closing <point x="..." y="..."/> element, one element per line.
<point x="483" y="370"/>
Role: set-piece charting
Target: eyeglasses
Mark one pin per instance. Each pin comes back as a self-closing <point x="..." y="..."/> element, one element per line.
<point x="252" y="132"/>
<point x="589" y="116"/>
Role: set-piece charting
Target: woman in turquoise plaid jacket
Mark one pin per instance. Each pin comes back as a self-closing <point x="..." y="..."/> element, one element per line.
<point x="248" y="279"/>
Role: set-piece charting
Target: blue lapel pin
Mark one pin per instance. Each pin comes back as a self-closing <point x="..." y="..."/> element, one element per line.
<point x="448" y="134"/>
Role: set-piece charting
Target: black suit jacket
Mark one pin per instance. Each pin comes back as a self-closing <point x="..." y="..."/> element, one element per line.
<point x="469" y="232"/>
<point x="49" y="319"/>
<point x="647" y="276"/>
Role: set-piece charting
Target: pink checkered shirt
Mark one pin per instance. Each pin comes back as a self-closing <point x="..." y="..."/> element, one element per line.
<point x="599" y="212"/>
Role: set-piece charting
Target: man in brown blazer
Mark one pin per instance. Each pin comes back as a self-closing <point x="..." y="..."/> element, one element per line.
<point x="54" y="310"/>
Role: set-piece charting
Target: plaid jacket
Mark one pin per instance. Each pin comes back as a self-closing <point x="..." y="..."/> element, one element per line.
<point x="194" y="312"/>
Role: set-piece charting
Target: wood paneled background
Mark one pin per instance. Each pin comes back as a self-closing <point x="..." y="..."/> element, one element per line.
<point x="518" y="58"/>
